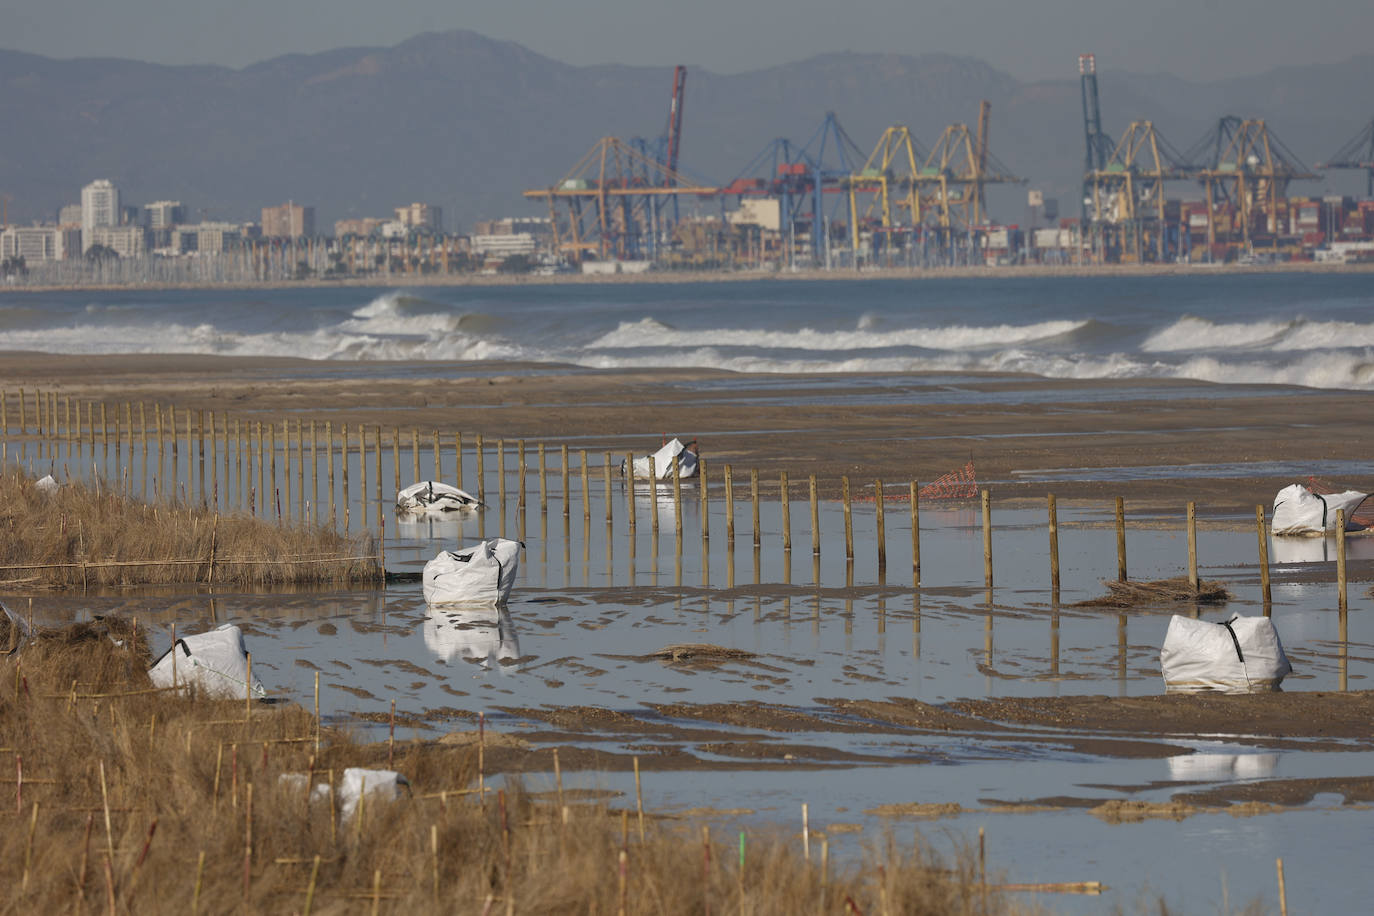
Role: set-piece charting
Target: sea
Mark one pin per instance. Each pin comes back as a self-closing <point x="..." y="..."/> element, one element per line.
<point x="1293" y="329"/>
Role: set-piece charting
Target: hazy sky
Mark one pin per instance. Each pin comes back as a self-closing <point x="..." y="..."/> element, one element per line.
<point x="1030" y="40"/>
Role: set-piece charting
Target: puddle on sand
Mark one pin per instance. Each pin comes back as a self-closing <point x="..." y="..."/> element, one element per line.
<point x="586" y="608"/>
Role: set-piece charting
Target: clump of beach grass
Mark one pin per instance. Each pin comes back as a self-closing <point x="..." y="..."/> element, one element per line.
<point x="81" y="537"/>
<point x="1177" y="590"/>
<point x="141" y="800"/>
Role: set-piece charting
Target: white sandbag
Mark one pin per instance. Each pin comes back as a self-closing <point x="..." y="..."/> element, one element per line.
<point x="1299" y="511"/>
<point x="47" y="484"/>
<point x="1241" y="655"/>
<point x="432" y="496"/>
<point x="483" y="573"/>
<point x="377" y="785"/>
<point x="486" y="636"/>
<point x="674" y="451"/>
<point x="213" y="663"/>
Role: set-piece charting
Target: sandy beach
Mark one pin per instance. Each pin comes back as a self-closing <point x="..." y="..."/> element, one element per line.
<point x="867" y="427"/>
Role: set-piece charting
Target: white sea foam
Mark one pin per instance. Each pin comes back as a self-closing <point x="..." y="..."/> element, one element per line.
<point x="648" y="332"/>
<point x="1194" y="334"/>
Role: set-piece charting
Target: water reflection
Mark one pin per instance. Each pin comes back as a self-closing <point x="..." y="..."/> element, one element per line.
<point x="1221" y="767"/>
<point x="485" y="635"/>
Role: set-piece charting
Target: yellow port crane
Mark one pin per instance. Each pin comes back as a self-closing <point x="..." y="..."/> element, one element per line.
<point x="1127" y="195"/>
<point x="942" y="188"/>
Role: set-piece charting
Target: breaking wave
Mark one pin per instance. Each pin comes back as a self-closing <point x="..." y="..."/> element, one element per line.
<point x="649" y="332"/>
<point x="1192" y="334"/>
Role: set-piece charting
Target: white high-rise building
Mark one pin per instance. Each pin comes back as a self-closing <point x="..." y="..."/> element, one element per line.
<point x="99" y="207"/>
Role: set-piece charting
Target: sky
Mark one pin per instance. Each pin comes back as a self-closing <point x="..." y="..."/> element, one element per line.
<point x="1029" y="40"/>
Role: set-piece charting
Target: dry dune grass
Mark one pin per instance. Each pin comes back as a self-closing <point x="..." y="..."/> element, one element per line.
<point x="82" y="537"/>
<point x="199" y="821"/>
<point x="1161" y="591"/>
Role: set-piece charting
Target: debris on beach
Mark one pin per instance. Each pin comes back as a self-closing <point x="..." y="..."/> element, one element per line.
<point x="377" y="785"/>
<point x="14" y="631"/>
<point x="961" y="483"/>
<point x="481" y="574"/>
<point x="431" y="496"/>
<point x="213" y="665"/>
<point x="47" y="484"/>
<point x="675" y="451"/>
<point x="1160" y="591"/>
<point x="1240" y="655"/>
<point x="698" y="653"/>
<point x="1300" y="511"/>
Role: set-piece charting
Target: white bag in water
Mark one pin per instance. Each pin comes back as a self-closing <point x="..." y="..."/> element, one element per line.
<point x="432" y="496"/>
<point x="1297" y="510"/>
<point x="483" y="573"/>
<point x="1242" y="655"/>
<point x="215" y="663"/>
<point x="663" y="462"/>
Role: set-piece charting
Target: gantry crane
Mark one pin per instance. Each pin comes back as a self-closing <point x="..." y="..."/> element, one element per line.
<point x="956" y="172"/>
<point x="1099" y="145"/>
<point x="1127" y="195"/>
<point x="888" y="178"/>
<point x="606" y="203"/>
<point x="1249" y="169"/>
<point x="1358" y="153"/>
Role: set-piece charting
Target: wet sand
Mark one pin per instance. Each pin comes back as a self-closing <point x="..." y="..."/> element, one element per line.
<point x="895" y="428"/>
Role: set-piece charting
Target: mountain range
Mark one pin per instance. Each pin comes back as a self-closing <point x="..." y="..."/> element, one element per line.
<point x="468" y="122"/>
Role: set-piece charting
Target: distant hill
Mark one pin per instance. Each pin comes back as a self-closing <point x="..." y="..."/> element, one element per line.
<point x="467" y="122"/>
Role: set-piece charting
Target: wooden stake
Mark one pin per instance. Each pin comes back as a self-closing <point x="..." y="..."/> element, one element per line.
<point x="438" y="462"/>
<point x="639" y="801"/>
<point x="754" y="498"/>
<point x="520" y="470"/>
<point x="481" y="475"/>
<point x="1340" y="559"/>
<point x="105" y="803"/>
<point x="309" y="888"/>
<point x="806" y="831"/>
<point x="317" y="717"/>
<point x="677" y="503"/>
<point x="704" y="486"/>
<point x="785" y="506"/>
<point x="653" y="498"/>
<point x="630" y="487"/>
<point x="880" y="521"/>
<point x="915" y="534"/>
<point x="606" y="473"/>
<point x="987" y="539"/>
<point x="729" y="507"/>
<point x="434" y="857"/>
<point x="415" y="455"/>
<point x="1054" y="545"/>
<point x="1120" y="539"/>
<point x="563" y="454"/>
<point x="586" y="486"/>
<point x="1283" y="890"/>
<point x="543" y="482"/>
<point x="815" y="519"/>
<point x="1192" y="545"/>
<point x="1265" y="594"/>
<point x="848" y="519"/>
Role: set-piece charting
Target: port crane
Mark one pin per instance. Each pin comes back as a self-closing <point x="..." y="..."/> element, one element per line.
<point x="1358" y="153"/>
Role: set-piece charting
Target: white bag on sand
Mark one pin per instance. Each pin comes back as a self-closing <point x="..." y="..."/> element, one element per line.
<point x="380" y="785"/>
<point x="1297" y="510"/>
<point x="1241" y="655"/>
<point x="432" y="496"/>
<point x="214" y="663"/>
<point x="482" y="574"/>
<point x="663" y="462"/>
